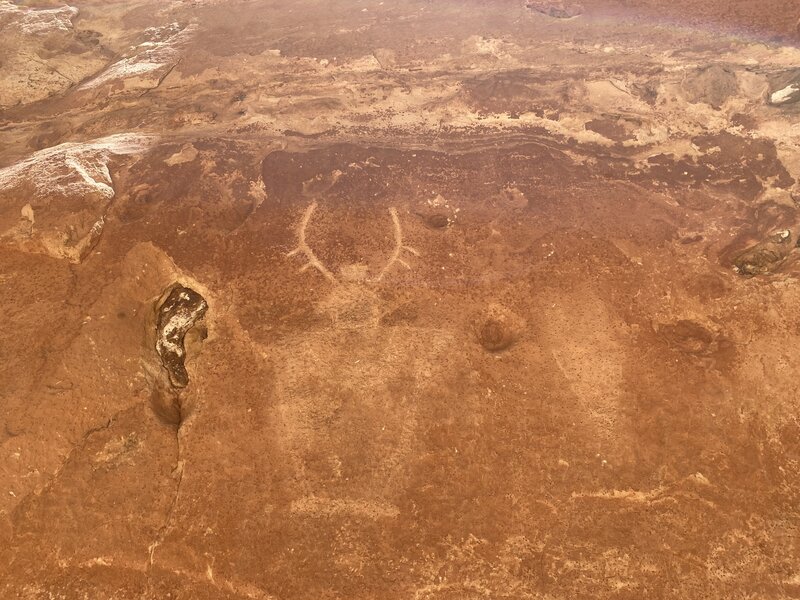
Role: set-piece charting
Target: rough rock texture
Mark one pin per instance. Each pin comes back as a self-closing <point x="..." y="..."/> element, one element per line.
<point x="499" y="300"/>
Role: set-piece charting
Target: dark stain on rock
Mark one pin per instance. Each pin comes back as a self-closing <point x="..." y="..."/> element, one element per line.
<point x="612" y="128"/>
<point x="516" y="92"/>
<point x="179" y="312"/>
<point x="728" y="163"/>
<point x="691" y="239"/>
<point x="694" y="339"/>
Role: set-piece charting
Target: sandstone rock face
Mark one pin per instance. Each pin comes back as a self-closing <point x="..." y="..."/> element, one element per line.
<point x="399" y="300"/>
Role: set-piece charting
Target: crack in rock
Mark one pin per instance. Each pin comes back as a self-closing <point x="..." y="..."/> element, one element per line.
<point x="73" y="452"/>
<point x="177" y="474"/>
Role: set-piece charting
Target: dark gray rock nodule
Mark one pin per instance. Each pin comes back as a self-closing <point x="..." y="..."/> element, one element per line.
<point x="765" y="257"/>
<point x="179" y="312"/>
<point x="784" y="89"/>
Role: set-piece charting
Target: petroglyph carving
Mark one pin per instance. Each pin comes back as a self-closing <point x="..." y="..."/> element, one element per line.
<point x="398" y="247"/>
<point x="303" y="247"/>
<point x="313" y="261"/>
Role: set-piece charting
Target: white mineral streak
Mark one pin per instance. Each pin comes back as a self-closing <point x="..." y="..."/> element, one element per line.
<point x="161" y="51"/>
<point x="33" y="21"/>
<point x="73" y="168"/>
<point x="176" y="327"/>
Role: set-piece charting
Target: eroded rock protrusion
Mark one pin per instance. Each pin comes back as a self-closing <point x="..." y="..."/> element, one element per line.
<point x="177" y="314"/>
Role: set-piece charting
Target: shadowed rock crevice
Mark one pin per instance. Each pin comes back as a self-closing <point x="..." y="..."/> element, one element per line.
<point x="176" y="316"/>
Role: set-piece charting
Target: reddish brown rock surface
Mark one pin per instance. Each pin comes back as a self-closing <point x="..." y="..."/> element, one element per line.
<point x="480" y="300"/>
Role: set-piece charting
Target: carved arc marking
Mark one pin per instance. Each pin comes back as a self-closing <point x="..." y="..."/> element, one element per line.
<point x="303" y="247"/>
<point x="313" y="261"/>
<point x="398" y="246"/>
